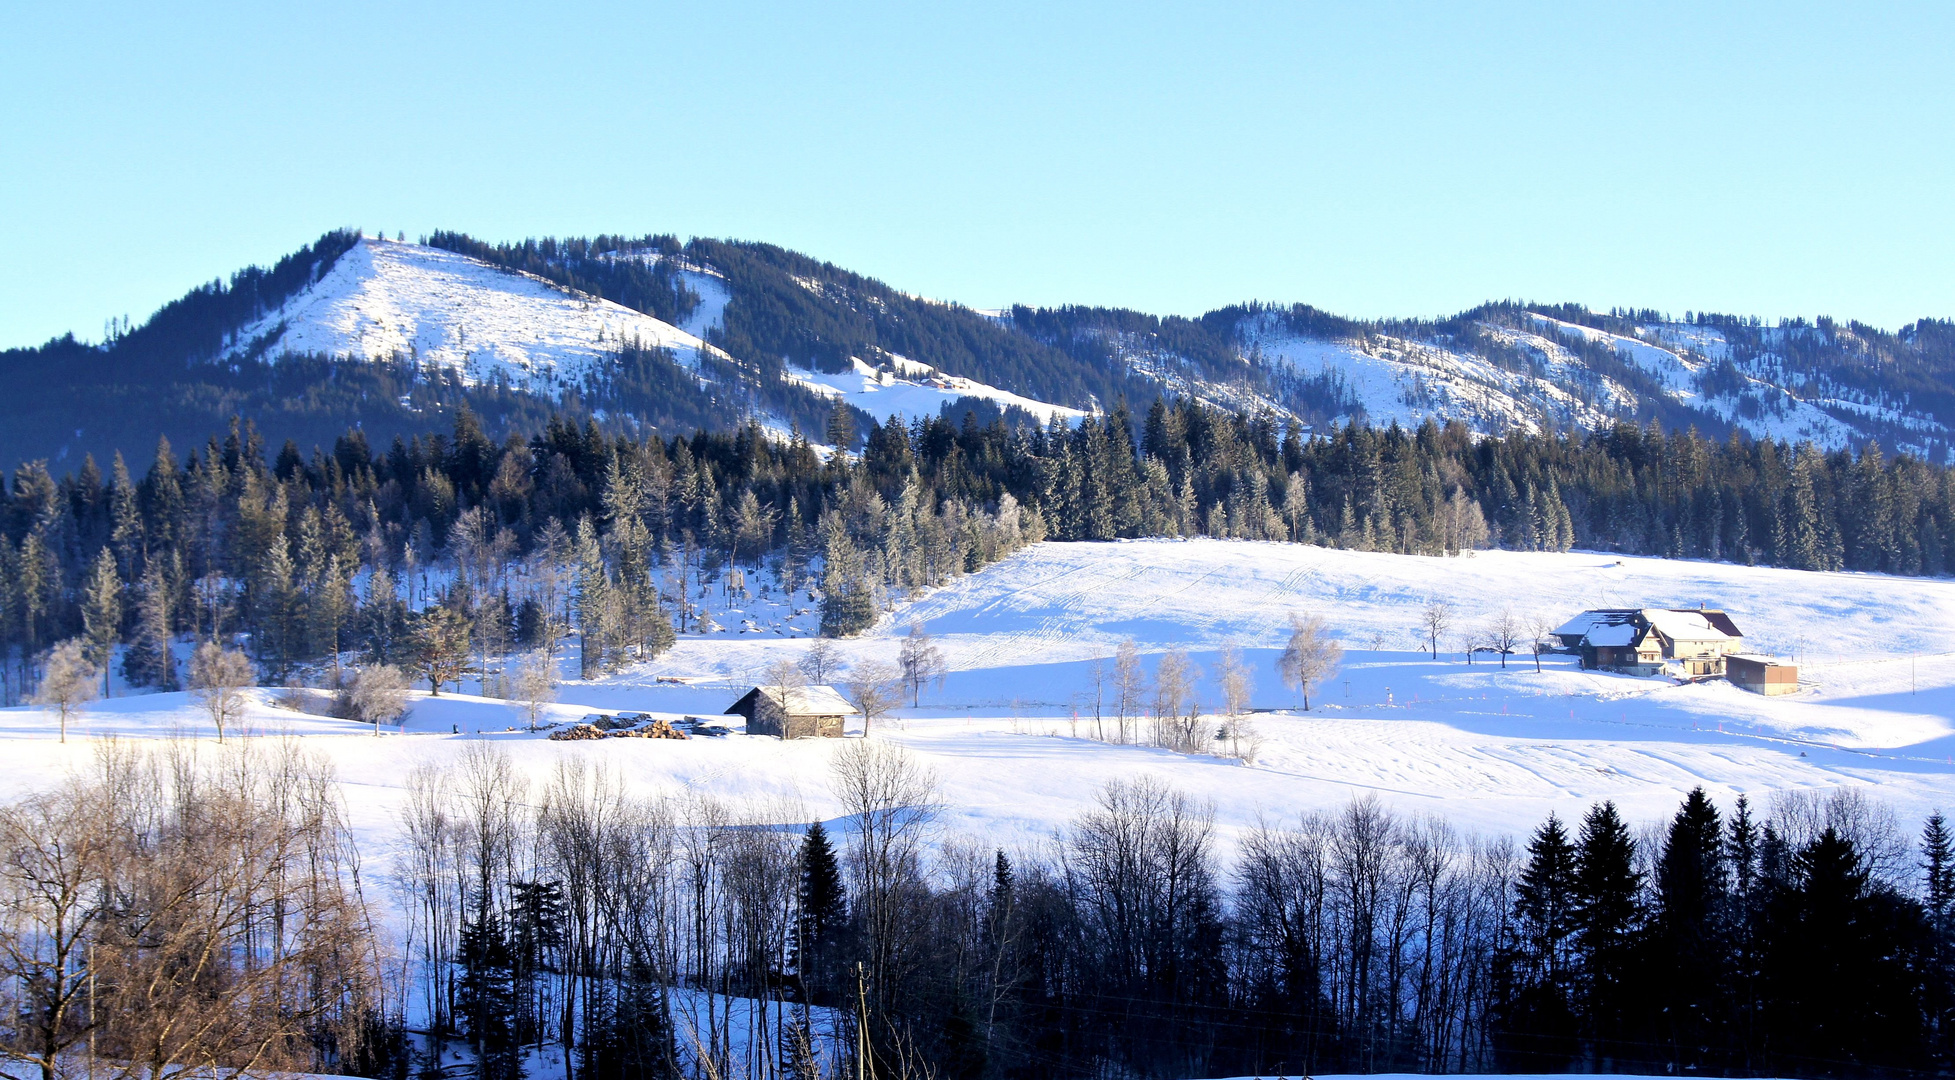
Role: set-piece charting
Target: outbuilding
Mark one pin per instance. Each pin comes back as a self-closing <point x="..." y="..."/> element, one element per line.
<point x="801" y="712"/>
<point x="1761" y="674"/>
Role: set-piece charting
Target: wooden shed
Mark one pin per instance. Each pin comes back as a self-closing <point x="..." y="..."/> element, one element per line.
<point x="1766" y="675"/>
<point x="809" y="712"/>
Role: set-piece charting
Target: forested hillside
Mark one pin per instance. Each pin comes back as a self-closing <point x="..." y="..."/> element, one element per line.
<point x="314" y="552"/>
<point x="755" y="315"/>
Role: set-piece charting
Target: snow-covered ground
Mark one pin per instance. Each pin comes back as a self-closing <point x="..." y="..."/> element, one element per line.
<point x="1012" y="732"/>
<point x="386" y="298"/>
<point x="911" y="390"/>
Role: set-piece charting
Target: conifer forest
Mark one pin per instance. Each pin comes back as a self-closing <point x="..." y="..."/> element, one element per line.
<point x="1812" y="937"/>
<point x="314" y="554"/>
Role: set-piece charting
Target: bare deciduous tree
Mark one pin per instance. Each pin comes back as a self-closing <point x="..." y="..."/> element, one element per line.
<point x="1504" y="632"/>
<point x="1129" y="684"/>
<point x="184" y="916"/>
<point x="783" y="678"/>
<point x="822" y="662"/>
<point x="1540" y="637"/>
<point x="1099" y="673"/>
<point x="892" y="798"/>
<point x="1236" y="682"/>
<point x="1436" y="619"/>
<point x="1174" y="685"/>
<point x="535" y="684"/>
<point x="377" y="695"/>
<point x="1311" y="656"/>
<point x="67" y="681"/>
<point x="218" y="678"/>
<point x="874" y="688"/>
<point x="921" y="661"/>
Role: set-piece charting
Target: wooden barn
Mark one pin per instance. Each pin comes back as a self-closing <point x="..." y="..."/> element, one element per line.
<point x="809" y="712"/>
<point x="1766" y="675"/>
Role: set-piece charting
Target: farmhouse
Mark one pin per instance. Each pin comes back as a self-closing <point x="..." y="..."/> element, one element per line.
<point x="1698" y="640"/>
<point x="1641" y="640"/>
<point x="1612" y="639"/>
<point x="804" y="712"/>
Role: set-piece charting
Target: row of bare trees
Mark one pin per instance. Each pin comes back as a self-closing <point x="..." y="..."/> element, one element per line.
<point x="184" y="909"/>
<point x="692" y="934"/>
<point x="194" y="909"/>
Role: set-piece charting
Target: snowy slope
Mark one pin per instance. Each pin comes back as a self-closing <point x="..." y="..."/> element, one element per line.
<point x="1404" y="380"/>
<point x="910" y="390"/>
<point x="1011" y="731"/>
<point x="390" y="299"/>
<point x="1397" y="379"/>
<point x="1677" y="355"/>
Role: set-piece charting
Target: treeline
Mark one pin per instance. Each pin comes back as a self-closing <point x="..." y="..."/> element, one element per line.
<point x="614" y="536"/>
<point x="691" y="934"/>
<point x="641" y="273"/>
<point x="175" y="910"/>
<point x="1727" y="945"/>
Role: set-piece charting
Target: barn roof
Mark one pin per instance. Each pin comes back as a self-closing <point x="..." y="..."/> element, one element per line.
<point x="1614" y="634"/>
<point x="803" y="700"/>
<point x="1586" y="623"/>
<point x="1691" y="624"/>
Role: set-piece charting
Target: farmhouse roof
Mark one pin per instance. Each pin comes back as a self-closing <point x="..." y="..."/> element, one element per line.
<point x="803" y="700"/>
<point x="1691" y="624"/>
<point x="1614" y="634"/>
<point x="1586" y="623"/>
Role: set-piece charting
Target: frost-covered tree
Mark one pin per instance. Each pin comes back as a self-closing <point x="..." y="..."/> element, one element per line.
<point x="1310" y="656"/>
<point x="67" y="681"/>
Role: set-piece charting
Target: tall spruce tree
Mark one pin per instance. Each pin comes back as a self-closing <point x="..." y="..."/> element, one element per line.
<point x="820" y="917"/>
<point x="101" y="613"/>
<point x="1536" y="1020"/>
<point x="1608" y="920"/>
<point x="1691" y="971"/>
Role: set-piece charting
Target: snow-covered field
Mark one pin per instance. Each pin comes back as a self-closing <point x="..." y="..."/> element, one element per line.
<point x="387" y="298"/>
<point x="1012" y="732"/>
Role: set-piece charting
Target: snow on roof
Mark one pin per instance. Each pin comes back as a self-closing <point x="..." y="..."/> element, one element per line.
<point x="1617" y="634"/>
<point x="809" y="700"/>
<point x="1588" y="621"/>
<point x="1685" y="625"/>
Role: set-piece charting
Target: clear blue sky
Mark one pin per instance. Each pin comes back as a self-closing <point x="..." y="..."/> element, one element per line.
<point x="1372" y="159"/>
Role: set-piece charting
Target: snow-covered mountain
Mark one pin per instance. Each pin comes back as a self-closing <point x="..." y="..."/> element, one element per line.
<point x="675" y="336"/>
<point x="1532" y="370"/>
<point x="386" y="299"/>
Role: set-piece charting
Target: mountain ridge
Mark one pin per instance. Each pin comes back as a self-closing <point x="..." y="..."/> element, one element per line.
<point x="651" y="333"/>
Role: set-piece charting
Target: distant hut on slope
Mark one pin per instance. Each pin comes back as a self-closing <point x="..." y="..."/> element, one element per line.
<point x="804" y="712"/>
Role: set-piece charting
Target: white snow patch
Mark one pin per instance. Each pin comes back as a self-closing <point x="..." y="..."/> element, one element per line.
<point x="912" y="390"/>
<point x="385" y="298"/>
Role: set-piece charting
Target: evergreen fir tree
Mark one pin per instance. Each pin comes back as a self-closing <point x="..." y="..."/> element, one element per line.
<point x="1692" y="969"/>
<point x="820" y="916"/>
<point x="1537" y="1021"/>
<point x="485" y="999"/>
<point x="1608" y="915"/>
<point x="847" y="604"/>
<point x="101" y="612"/>
<point x="148" y="660"/>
